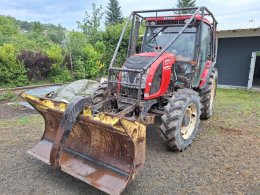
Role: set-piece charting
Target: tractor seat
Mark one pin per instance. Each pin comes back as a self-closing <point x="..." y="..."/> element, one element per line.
<point x="138" y="61"/>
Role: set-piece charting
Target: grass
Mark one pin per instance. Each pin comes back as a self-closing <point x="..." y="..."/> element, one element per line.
<point x="236" y="111"/>
<point x="8" y="96"/>
<point x="239" y="101"/>
<point x="22" y="121"/>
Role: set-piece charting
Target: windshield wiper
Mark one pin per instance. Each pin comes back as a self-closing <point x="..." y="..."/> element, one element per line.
<point x="155" y="35"/>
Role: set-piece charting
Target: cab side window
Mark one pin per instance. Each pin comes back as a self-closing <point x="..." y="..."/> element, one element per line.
<point x="205" y="43"/>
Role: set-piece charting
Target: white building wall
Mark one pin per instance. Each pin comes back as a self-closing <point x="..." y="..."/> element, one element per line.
<point x="239" y="33"/>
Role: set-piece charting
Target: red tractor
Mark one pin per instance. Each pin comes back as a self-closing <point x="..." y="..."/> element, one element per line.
<point x="172" y="74"/>
<point x="169" y="78"/>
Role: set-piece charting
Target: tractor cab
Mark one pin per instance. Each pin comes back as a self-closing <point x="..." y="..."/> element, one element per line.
<point x="161" y="31"/>
<point x="193" y="46"/>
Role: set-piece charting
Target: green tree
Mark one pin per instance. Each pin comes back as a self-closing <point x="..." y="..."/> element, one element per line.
<point x="8" y="26"/>
<point x="27" y="26"/>
<point x="184" y="4"/>
<point x="37" y="27"/>
<point x="56" y="35"/>
<point x="75" y="43"/>
<point x="42" y="42"/>
<point x="110" y="37"/>
<point x="91" y="24"/>
<point x="113" y="13"/>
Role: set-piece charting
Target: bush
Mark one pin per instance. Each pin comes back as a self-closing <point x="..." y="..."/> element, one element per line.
<point x="21" y="42"/>
<point x="38" y="64"/>
<point x="90" y="64"/>
<point x="59" y="71"/>
<point x="12" y="72"/>
<point x="55" y="53"/>
<point x="60" y="74"/>
<point x="80" y="72"/>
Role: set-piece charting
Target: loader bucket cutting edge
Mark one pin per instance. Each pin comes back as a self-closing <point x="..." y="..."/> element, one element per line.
<point x="104" y="151"/>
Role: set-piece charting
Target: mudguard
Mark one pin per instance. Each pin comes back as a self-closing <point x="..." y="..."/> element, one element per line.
<point x="210" y="66"/>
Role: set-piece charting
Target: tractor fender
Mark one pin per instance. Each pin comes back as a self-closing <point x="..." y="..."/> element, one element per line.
<point x="205" y="76"/>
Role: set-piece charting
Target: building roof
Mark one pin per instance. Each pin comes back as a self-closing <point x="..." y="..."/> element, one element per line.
<point x="239" y="25"/>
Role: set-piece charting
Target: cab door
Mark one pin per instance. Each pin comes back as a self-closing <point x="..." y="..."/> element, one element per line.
<point x="205" y="53"/>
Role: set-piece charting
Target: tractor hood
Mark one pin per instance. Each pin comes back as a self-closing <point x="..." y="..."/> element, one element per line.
<point x="139" y="61"/>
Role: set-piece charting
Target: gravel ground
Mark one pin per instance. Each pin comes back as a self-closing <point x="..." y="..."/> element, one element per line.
<point x="223" y="159"/>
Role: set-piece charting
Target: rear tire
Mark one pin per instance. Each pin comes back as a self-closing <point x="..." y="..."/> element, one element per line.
<point x="181" y="119"/>
<point x="99" y="94"/>
<point x="207" y="96"/>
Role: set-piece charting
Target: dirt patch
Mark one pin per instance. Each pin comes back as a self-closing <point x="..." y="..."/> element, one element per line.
<point x="14" y="111"/>
<point x="223" y="159"/>
<point x="230" y="131"/>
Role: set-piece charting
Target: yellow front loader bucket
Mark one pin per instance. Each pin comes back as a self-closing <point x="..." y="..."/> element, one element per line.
<point x="104" y="151"/>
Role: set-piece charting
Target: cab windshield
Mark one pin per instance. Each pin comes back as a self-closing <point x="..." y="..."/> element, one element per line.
<point x="157" y="38"/>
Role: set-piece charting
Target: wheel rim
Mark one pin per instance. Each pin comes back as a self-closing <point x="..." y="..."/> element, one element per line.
<point x="189" y="121"/>
<point x="212" y="94"/>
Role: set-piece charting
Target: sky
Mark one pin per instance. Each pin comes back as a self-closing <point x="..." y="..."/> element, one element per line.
<point x="67" y="12"/>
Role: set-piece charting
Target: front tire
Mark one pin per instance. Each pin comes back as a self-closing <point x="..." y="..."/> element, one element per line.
<point x="99" y="94"/>
<point x="181" y="119"/>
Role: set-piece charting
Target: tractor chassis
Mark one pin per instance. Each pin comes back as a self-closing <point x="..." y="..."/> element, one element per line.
<point x="126" y="106"/>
